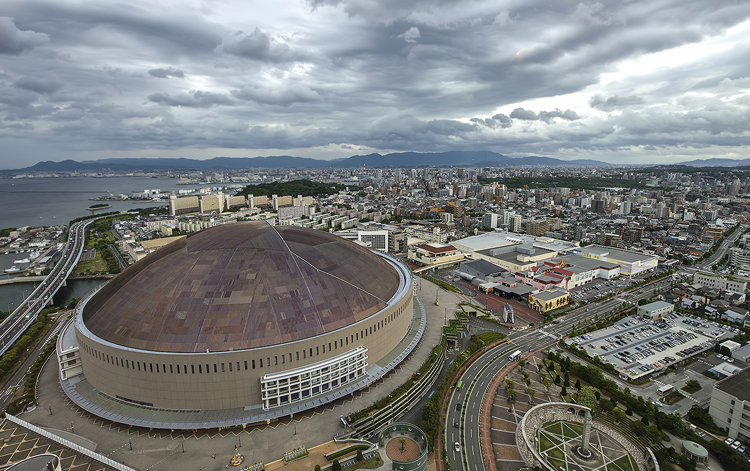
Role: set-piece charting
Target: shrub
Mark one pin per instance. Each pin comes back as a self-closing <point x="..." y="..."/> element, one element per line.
<point x="336" y="466"/>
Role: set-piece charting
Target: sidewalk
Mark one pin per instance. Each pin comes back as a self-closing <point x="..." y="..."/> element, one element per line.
<point x="162" y="450"/>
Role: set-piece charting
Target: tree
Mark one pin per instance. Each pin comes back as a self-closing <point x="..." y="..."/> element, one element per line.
<point x="336" y="466"/>
<point x="638" y="427"/>
<point x="531" y="394"/>
<point x="558" y="381"/>
<point x="644" y="419"/>
<point x="512" y="393"/>
<point x="509" y="383"/>
<point x="566" y="383"/>
<point x="629" y="410"/>
<point x="578" y="384"/>
<point x="587" y="397"/>
<point x="564" y="392"/>
<point x="527" y="381"/>
<point x="402" y="441"/>
<point x="360" y="457"/>
<point x="618" y="414"/>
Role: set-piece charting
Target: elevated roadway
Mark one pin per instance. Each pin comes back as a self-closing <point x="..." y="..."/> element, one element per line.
<point x="24" y="315"/>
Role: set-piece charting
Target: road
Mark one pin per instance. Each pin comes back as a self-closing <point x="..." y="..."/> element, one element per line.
<point x="464" y="406"/>
<point x="25" y="314"/>
<point x="17" y="380"/>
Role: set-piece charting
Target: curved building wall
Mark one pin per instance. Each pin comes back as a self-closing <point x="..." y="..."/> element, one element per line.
<point x="181" y="381"/>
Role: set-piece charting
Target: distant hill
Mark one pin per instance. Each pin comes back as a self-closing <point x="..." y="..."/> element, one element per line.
<point x="399" y="159"/>
<point x="716" y="163"/>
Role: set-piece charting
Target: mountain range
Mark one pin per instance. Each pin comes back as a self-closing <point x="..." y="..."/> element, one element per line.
<point x="400" y="159"/>
<point x="393" y="160"/>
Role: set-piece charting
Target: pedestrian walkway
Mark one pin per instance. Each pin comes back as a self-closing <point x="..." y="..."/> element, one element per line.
<point x="144" y="448"/>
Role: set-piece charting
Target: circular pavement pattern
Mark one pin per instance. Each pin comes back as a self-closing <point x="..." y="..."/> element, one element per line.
<point x="393" y="449"/>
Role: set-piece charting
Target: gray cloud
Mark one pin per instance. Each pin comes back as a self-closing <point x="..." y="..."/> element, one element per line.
<point x="15" y="41"/>
<point x="546" y="116"/>
<point x="166" y="73"/>
<point x="416" y="75"/>
<point x="411" y="35"/>
<point x="284" y="97"/>
<point x="38" y="85"/>
<point x="614" y="102"/>
<point x="194" y="99"/>
<point x="259" y="46"/>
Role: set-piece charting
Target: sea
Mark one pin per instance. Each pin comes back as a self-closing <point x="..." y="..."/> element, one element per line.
<point x="37" y="202"/>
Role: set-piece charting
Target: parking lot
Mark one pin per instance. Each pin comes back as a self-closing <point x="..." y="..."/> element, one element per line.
<point x="638" y="347"/>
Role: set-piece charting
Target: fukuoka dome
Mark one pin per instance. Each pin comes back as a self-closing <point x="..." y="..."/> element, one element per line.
<point x="237" y="324"/>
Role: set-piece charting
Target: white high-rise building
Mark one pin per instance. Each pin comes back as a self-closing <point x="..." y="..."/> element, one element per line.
<point x="515" y="223"/>
<point x="489" y="220"/>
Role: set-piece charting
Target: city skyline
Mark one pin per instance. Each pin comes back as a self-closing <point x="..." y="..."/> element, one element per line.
<point x="643" y="82"/>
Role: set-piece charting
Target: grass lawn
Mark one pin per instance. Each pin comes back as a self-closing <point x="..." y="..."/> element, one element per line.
<point x="624" y="463"/>
<point x="556" y="453"/>
<point x="555" y="463"/>
<point x="96" y="265"/>
<point x="571" y="431"/>
<point x="546" y="442"/>
<point x="692" y="389"/>
<point x="372" y="463"/>
<point x="673" y="397"/>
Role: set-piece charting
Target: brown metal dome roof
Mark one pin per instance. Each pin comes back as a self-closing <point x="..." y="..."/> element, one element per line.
<point x="239" y="286"/>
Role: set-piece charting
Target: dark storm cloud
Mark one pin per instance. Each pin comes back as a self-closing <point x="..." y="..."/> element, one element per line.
<point x="166" y="73"/>
<point x="194" y="99"/>
<point x="14" y="41"/>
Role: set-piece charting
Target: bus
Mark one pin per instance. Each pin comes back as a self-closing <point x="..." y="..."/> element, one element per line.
<point x="664" y="390"/>
<point x="515" y="355"/>
<point x="458" y="386"/>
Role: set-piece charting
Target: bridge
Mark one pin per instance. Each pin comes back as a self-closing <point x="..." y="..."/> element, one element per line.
<point x="24" y="315"/>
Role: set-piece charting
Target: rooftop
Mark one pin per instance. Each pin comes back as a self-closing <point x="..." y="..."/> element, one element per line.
<point x="613" y="253"/>
<point x="239" y="286"/>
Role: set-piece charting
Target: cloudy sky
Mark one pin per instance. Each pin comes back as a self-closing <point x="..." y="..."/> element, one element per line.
<point x="637" y="81"/>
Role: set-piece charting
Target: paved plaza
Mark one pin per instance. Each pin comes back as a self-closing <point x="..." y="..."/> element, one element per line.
<point x="211" y="450"/>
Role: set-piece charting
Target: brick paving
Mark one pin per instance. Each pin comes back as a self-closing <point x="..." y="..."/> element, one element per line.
<point x="497" y="304"/>
<point x="393" y="449"/>
<point x="500" y="417"/>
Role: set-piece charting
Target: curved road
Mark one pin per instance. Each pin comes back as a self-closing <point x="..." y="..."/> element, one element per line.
<point x="464" y="406"/>
<point x="25" y="314"/>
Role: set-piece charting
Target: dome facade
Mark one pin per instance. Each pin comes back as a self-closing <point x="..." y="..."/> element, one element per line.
<point x="245" y="315"/>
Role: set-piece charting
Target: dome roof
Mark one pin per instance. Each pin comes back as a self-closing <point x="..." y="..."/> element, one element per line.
<point x="239" y="286"/>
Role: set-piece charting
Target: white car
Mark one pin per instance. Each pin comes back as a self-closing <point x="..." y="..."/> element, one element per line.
<point x="457" y="447"/>
<point x="736" y="444"/>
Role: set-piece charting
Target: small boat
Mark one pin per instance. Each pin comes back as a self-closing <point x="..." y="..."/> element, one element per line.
<point x="23" y="260"/>
<point x="12" y="269"/>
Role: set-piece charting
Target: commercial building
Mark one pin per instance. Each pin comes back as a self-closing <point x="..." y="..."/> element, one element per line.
<point x="709" y="280"/>
<point x="244" y="316"/>
<point x="481" y="269"/>
<point x="730" y="405"/>
<point x="545" y="301"/>
<point x="631" y="263"/>
<point x="655" y="310"/>
<point x="513" y="252"/>
<point x="434" y="254"/>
